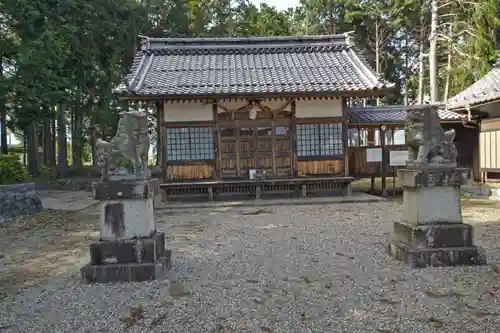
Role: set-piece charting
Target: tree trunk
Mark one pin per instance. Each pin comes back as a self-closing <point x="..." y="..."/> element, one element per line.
<point x="25" y="150"/>
<point x="3" y="127"/>
<point x="76" y="135"/>
<point x="32" y="149"/>
<point x="406" y="71"/>
<point x="53" y="145"/>
<point x="448" y="66"/>
<point x="433" y="68"/>
<point x="62" y="155"/>
<point x="421" y="66"/>
<point x="377" y="51"/>
<point x="3" y="119"/>
<point x="93" y="139"/>
<point x="47" y="141"/>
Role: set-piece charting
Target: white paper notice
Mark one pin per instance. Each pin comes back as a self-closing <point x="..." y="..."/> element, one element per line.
<point x="374" y="155"/>
<point x="398" y="157"/>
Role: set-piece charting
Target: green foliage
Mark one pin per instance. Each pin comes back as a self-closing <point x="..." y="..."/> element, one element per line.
<point x="12" y="169"/>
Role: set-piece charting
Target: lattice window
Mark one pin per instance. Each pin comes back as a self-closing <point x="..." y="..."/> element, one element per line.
<point x="190" y="144"/>
<point x="319" y="140"/>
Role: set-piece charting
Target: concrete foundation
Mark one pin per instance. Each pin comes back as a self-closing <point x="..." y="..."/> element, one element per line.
<point x="433" y="233"/>
<point x="130" y="249"/>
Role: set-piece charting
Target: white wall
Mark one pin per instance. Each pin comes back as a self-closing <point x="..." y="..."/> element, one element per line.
<point x="234" y="105"/>
<point x="197" y="111"/>
<point x="192" y="111"/>
<point x="319" y="108"/>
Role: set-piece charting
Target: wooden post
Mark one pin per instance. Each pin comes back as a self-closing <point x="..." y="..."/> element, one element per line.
<point x="293" y="140"/>
<point x="382" y="144"/>
<point x="394" y="181"/>
<point x="216" y="133"/>
<point x="163" y="146"/>
<point x="345" y="132"/>
<point x="273" y="148"/>
<point x="476" y="160"/>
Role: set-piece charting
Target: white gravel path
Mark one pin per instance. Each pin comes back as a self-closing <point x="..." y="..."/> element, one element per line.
<point x="285" y="269"/>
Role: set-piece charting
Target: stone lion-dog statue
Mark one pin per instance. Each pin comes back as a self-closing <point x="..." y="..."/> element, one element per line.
<point x="129" y="147"/>
<point x="429" y="146"/>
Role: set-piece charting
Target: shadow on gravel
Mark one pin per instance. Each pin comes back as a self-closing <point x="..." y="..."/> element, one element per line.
<point x="43" y="246"/>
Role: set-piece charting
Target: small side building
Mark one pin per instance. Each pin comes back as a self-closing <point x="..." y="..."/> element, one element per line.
<point x="480" y="103"/>
<point x="382" y="128"/>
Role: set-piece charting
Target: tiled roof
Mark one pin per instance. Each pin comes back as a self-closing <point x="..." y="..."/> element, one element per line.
<point x="208" y="67"/>
<point x="391" y="114"/>
<point x="484" y="90"/>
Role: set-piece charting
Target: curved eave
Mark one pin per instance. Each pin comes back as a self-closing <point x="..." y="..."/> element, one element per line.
<point x="374" y="92"/>
<point x="461" y="107"/>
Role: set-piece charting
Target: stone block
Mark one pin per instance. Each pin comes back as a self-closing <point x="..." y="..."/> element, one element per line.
<point x="126" y="189"/>
<point x="131" y="272"/>
<point x="437" y="257"/>
<point x="127" y="219"/>
<point x="432" y="177"/>
<point x="18" y="199"/>
<point x="426" y="205"/>
<point x="141" y="250"/>
<point x="434" y="235"/>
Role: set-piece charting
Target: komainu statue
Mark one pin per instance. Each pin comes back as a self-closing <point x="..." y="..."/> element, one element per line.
<point x="128" y="149"/>
<point x="429" y="146"/>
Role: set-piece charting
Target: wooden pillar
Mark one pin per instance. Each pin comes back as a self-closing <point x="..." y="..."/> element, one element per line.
<point x="273" y="133"/>
<point x="345" y="136"/>
<point x="163" y="143"/>
<point x="293" y="139"/>
<point x="382" y="167"/>
<point x="216" y="173"/>
<point x="476" y="173"/>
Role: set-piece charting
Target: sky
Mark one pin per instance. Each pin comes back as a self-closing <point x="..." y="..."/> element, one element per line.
<point x="280" y="4"/>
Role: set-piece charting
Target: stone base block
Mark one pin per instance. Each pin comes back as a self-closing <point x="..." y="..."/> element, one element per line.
<point x="440" y="244"/>
<point x="132" y="272"/>
<point x="127" y="219"/>
<point x="425" y="257"/>
<point x="126" y="189"/>
<point x="432" y="205"/>
<point x="141" y="250"/>
<point x="443" y="235"/>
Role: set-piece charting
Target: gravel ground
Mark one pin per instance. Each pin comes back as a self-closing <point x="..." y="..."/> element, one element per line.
<point x="277" y="269"/>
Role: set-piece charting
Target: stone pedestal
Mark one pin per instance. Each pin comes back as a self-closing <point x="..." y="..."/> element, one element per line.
<point x="432" y="233"/>
<point x="130" y="248"/>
